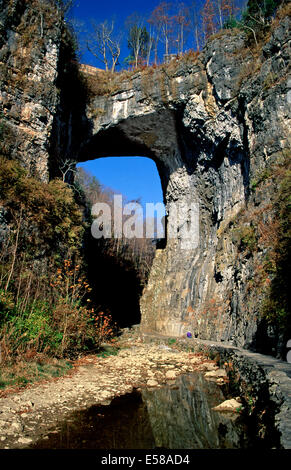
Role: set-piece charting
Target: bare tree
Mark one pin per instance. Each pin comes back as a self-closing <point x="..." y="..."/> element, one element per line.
<point x="208" y="19"/>
<point x="151" y="43"/>
<point x="195" y="22"/>
<point x="155" y="28"/>
<point x="137" y="37"/>
<point x="224" y="10"/>
<point x="163" y="23"/>
<point x="67" y="168"/>
<point x="182" y="22"/>
<point x="104" y="46"/>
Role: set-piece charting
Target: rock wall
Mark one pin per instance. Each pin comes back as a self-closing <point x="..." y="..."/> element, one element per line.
<point x="29" y="53"/>
<point x="41" y="126"/>
<point x="262" y="382"/>
<point x="212" y="123"/>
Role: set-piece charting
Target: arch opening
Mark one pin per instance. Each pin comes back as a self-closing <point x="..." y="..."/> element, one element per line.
<point x="118" y="266"/>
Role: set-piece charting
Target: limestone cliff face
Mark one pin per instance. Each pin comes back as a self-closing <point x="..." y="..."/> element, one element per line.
<point x="38" y="76"/>
<point x="29" y="53"/>
<point x="213" y="124"/>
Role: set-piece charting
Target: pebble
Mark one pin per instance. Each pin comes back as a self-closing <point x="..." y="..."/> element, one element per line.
<point x="17" y="426"/>
<point x="99" y="383"/>
<point x="216" y="373"/>
<point x="24" y="440"/>
<point x="28" y="404"/>
<point x="152" y="383"/>
<point x="220" y="381"/>
<point x="171" y="374"/>
<point x="232" y="405"/>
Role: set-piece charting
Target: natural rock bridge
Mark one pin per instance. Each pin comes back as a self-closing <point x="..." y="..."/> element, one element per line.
<point x="217" y="126"/>
<point x="200" y="128"/>
<point x="191" y="128"/>
<point x="210" y="123"/>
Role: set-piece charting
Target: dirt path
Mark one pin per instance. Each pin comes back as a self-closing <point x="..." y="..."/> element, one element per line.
<point x="31" y="414"/>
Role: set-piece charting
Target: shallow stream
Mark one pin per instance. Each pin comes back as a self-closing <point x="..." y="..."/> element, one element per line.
<point x="176" y="416"/>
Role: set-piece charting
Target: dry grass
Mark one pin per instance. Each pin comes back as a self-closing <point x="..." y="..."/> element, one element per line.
<point x="16" y="375"/>
<point x="248" y="70"/>
<point x="102" y="83"/>
<point x="283" y="11"/>
<point x="225" y="32"/>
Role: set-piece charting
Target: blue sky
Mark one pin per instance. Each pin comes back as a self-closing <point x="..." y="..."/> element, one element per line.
<point x="85" y="10"/>
<point x="134" y="177"/>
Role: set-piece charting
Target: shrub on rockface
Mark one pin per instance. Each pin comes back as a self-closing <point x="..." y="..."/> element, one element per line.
<point x="256" y="17"/>
<point x="49" y="216"/>
<point x="43" y="293"/>
<point x="258" y="13"/>
<point x="277" y="305"/>
<point x="267" y="240"/>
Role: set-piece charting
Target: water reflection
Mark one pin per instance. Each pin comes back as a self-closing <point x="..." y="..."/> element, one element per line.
<point x="181" y="417"/>
<point x="124" y="424"/>
<point x="177" y="416"/>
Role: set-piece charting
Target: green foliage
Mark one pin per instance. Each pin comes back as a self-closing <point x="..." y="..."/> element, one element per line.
<point x="7" y="305"/>
<point x="137" y="43"/>
<point x="245" y="236"/>
<point x="259" y="12"/>
<point x="277" y="305"/>
<point x="261" y="177"/>
<point x="50" y="217"/>
<point x="23" y="373"/>
<point x="255" y="18"/>
<point x="231" y="23"/>
<point x="34" y="329"/>
<point x="106" y="352"/>
<point x="56" y="326"/>
<point x="171" y="341"/>
<point x="42" y="294"/>
<point x="129" y="60"/>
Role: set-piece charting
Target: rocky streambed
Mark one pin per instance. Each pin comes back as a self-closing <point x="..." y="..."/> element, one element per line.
<point x="36" y="413"/>
<point x="31" y="414"/>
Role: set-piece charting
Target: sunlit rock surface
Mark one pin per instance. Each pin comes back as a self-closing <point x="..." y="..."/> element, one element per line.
<point x="182" y="417"/>
<point x="212" y="124"/>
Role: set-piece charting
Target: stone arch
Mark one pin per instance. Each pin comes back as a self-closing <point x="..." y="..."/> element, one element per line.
<point x="197" y="144"/>
<point x="153" y="135"/>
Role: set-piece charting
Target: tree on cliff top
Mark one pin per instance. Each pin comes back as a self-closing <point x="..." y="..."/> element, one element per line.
<point x="104" y="45"/>
<point x="259" y="12"/>
<point x="208" y="19"/>
<point x="138" y="38"/>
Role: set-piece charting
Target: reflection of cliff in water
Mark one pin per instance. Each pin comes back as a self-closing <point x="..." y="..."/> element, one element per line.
<point x="124" y="424"/>
<point x="177" y="416"/>
<point x="181" y="416"/>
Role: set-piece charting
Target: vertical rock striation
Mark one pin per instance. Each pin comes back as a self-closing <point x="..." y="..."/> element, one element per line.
<point x="215" y="125"/>
<point x="30" y="38"/>
<point x="212" y="127"/>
